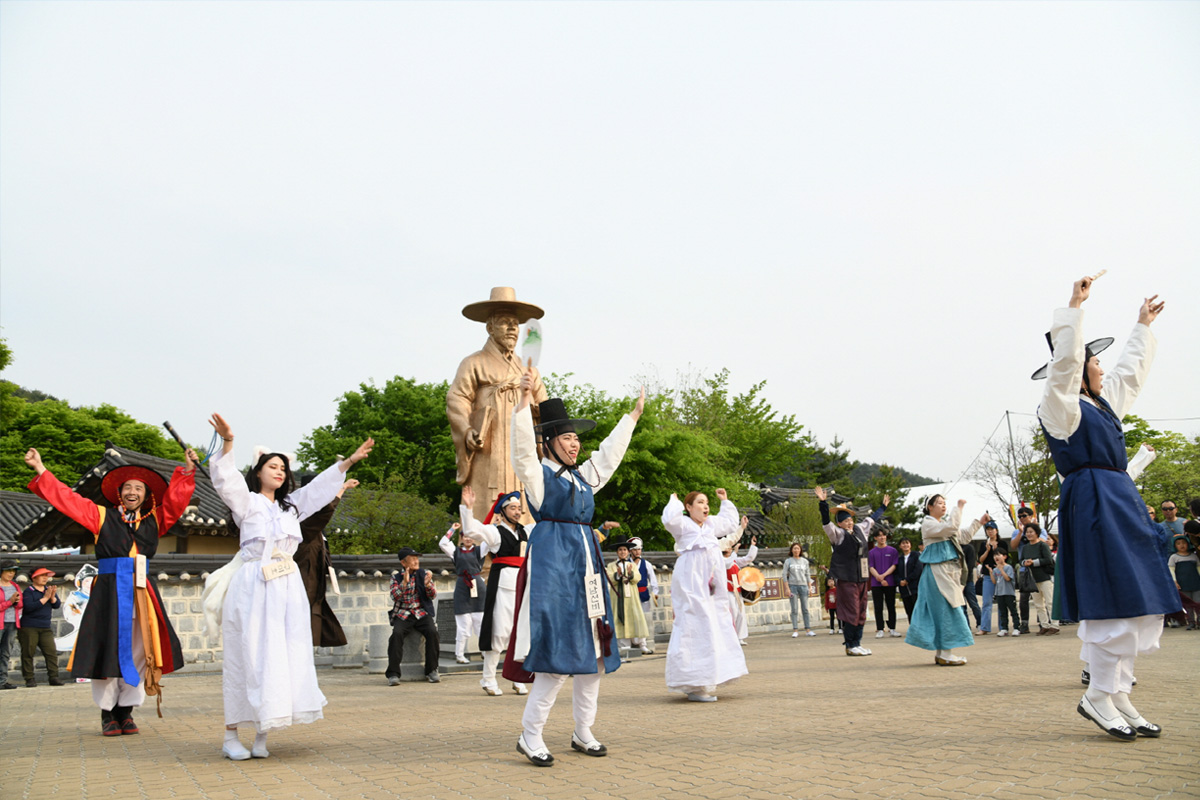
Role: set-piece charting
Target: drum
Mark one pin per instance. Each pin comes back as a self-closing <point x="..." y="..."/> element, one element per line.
<point x="751" y="582"/>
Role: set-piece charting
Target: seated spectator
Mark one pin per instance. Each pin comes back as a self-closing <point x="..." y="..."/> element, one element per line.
<point x="38" y="602"/>
<point x="412" y="610"/>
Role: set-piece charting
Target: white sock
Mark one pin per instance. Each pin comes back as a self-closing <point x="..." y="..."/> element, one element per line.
<point x="231" y="735"/>
<point x="1120" y="701"/>
<point x="260" y="741"/>
<point x="584" y="734"/>
<point x="533" y="743"/>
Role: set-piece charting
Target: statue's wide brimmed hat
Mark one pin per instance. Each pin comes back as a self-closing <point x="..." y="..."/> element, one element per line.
<point x="504" y="298"/>
<point x="554" y="419"/>
<point x="1094" y="347"/>
<point x="111" y="485"/>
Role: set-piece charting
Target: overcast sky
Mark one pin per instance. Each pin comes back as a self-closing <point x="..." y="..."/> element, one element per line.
<point x="252" y="208"/>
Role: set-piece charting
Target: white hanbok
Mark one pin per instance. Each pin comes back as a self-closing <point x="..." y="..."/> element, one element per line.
<point x="704" y="651"/>
<point x="268" y="676"/>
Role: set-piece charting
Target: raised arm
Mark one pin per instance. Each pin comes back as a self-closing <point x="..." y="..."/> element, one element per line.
<point x="598" y="469"/>
<point x="1124" y="381"/>
<point x="179" y="493"/>
<point x="726" y="522"/>
<point x="673" y="518"/>
<point x="473" y="529"/>
<point x="1059" y="410"/>
<point x="446" y="543"/>
<point x="56" y="493"/>
<point x="524" y="457"/>
<point x="1141" y="459"/>
<point x="833" y="532"/>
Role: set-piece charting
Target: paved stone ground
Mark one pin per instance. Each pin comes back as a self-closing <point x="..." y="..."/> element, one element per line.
<point x="807" y="722"/>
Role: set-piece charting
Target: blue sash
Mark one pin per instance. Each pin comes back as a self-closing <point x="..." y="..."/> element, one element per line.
<point x="122" y="568"/>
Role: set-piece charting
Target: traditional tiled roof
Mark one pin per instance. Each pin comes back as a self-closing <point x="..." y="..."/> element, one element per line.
<point x="206" y="516"/>
<point x="17" y="509"/>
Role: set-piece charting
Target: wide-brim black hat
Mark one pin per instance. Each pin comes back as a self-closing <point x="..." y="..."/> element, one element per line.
<point x="1093" y="348"/>
<point x="619" y="543"/>
<point x="554" y="419"/>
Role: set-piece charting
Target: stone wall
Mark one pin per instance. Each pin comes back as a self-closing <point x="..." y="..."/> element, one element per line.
<point x="364" y="603"/>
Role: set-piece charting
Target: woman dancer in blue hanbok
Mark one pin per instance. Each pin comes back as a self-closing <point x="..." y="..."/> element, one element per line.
<point x="1113" y="577"/>
<point x="564" y="626"/>
<point x="938" y="622"/>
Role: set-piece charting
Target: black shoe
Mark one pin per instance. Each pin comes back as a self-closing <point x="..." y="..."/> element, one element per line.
<point x="1086" y="678"/>
<point x="7" y="685"/>
<point x="108" y="725"/>
<point x="123" y="715"/>
<point x="56" y="682"/>
<point x="1117" y="728"/>
<point x="539" y="758"/>
<point x="591" y="749"/>
<point x="433" y="677"/>
<point x="30" y="684"/>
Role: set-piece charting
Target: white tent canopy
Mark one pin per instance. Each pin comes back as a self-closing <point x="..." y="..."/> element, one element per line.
<point x="979" y="499"/>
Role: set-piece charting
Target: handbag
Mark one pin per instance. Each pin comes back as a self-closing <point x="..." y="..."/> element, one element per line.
<point x="1025" y="581"/>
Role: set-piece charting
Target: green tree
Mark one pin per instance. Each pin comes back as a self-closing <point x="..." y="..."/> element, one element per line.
<point x="1020" y="471"/>
<point x="412" y="437"/>
<point x="663" y="457"/>
<point x="798" y="520"/>
<point x="1174" y="474"/>
<point x="71" y="440"/>
<point x="383" y="517"/>
<point x="890" y="481"/>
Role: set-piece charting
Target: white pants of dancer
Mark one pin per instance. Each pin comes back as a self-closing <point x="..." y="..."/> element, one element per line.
<point x="1111" y="645"/>
<point x="584" y="696"/>
<point x="465" y="626"/>
<point x="111" y="692"/>
<point x="647" y="609"/>
<point x="1042" y="599"/>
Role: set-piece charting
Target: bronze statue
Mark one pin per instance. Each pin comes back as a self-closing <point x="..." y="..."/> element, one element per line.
<point x="483" y="395"/>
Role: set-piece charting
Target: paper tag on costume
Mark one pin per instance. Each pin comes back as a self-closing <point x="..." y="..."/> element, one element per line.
<point x="595" y="600"/>
<point x="474" y="589"/>
<point x="523" y="544"/>
<point x="281" y="565"/>
<point x="628" y="590"/>
<point x="863" y="569"/>
<point x="736" y="583"/>
<point x="139" y="571"/>
<point x="333" y="582"/>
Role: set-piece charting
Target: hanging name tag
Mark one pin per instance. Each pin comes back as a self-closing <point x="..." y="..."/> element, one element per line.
<point x="139" y="571"/>
<point x="523" y="545"/>
<point x="595" y="600"/>
<point x="280" y="565"/>
<point x="737" y="584"/>
<point x="475" y="588"/>
<point x="863" y="569"/>
<point x="333" y="582"/>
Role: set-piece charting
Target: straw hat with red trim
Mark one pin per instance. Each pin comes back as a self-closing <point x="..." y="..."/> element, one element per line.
<point x="110" y="487"/>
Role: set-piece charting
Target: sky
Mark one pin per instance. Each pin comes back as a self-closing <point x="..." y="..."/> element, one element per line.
<point x="252" y="208"/>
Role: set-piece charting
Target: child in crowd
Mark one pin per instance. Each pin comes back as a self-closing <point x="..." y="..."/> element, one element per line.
<point x="835" y="626"/>
<point x="1005" y="594"/>
<point x="1185" y="570"/>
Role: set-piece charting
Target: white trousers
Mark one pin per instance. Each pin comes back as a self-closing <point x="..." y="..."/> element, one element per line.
<point x="585" y="694"/>
<point x="465" y="626"/>
<point x="648" y="610"/>
<point x="110" y="692"/>
<point x="1111" y="645"/>
<point x="1042" y="600"/>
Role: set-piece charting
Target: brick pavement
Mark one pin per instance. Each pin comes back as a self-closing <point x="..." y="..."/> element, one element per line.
<point x="1004" y="726"/>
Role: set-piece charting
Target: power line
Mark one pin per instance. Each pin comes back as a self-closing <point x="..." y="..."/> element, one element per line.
<point x="977" y="455"/>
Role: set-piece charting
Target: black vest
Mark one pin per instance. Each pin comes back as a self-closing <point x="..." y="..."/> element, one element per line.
<point x="117" y="537"/>
<point x="846" y="558"/>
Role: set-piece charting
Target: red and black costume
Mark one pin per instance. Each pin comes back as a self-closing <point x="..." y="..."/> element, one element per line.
<point x="104" y="644"/>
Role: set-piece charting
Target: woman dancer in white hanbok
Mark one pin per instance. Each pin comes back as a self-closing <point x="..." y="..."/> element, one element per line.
<point x="268" y="676"/>
<point x="704" y="651"/>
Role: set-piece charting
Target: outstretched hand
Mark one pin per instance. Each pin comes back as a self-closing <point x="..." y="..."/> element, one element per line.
<point x="468" y="497"/>
<point x="362" y="452"/>
<point x="887" y="500"/>
<point x="961" y="503"/>
<point x="722" y="495"/>
<point x="347" y="486"/>
<point x="640" y="407"/>
<point x="820" y="493"/>
<point x="1150" y="310"/>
